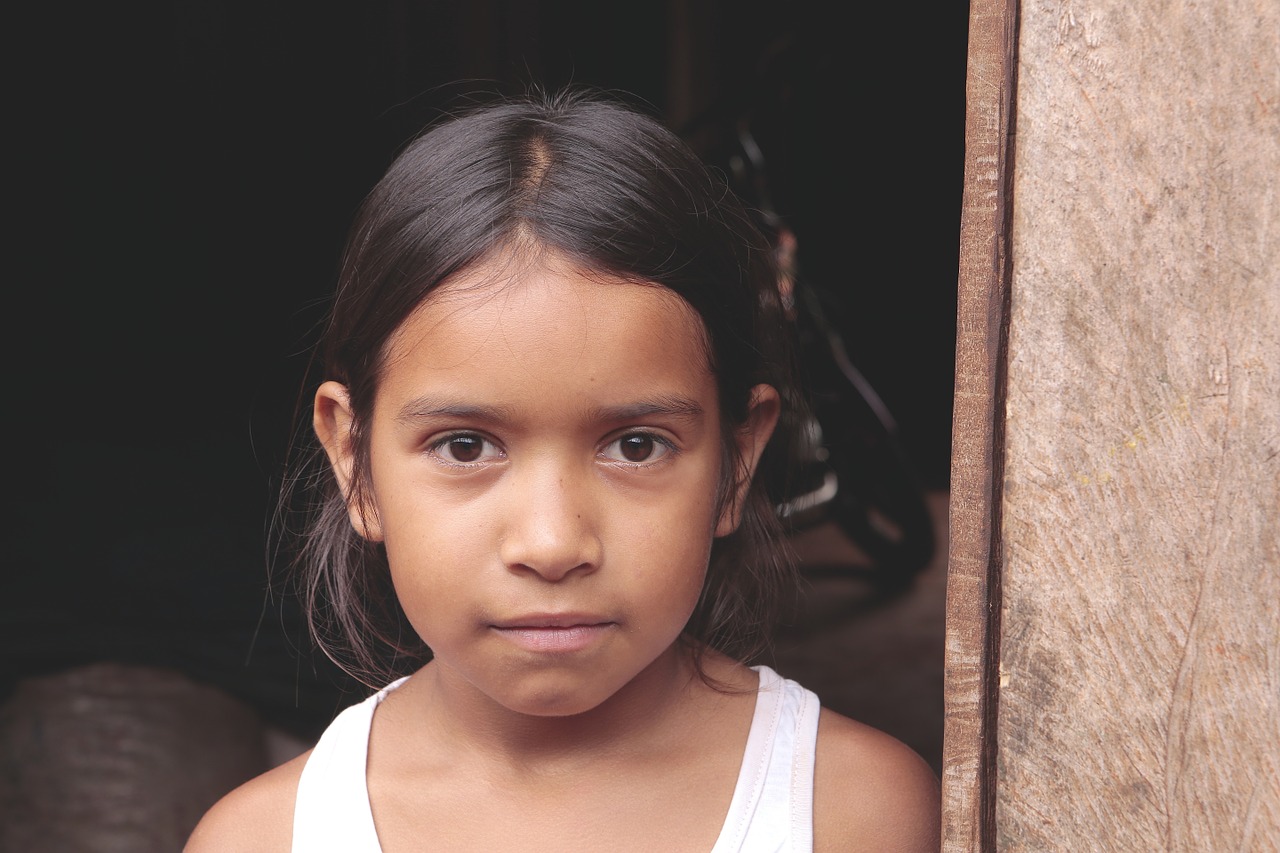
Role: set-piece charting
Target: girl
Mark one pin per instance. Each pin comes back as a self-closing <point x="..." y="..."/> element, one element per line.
<point x="557" y="395"/>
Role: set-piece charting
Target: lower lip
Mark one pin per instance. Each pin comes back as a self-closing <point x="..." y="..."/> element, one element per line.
<point x="572" y="638"/>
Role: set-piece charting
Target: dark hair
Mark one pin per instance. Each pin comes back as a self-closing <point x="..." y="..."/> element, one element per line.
<point x="609" y="187"/>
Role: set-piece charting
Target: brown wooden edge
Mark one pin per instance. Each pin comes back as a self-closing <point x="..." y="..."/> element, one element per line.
<point x="977" y="448"/>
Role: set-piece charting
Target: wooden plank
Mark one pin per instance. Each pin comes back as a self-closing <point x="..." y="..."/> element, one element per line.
<point x="1140" y="645"/>
<point x="973" y="574"/>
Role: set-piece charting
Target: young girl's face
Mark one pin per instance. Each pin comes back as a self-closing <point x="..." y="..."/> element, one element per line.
<point x="545" y="455"/>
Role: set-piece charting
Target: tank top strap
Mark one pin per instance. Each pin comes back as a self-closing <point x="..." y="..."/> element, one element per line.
<point x="772" y="805"/>
<point x="332" y="811"/>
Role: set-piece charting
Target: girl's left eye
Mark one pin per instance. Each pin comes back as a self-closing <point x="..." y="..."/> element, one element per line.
<point x="465" y="449"/>
<point x="637" y="448"/>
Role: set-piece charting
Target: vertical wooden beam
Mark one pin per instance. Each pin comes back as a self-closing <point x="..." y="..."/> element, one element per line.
<point x="1139" y="695"/>
<point x="977" y="460"/>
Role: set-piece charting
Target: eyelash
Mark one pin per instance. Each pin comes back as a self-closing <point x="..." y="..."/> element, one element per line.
<point x="660" y="443"/>
<point x="436" y="448"/>
<point x="667" y="447"/>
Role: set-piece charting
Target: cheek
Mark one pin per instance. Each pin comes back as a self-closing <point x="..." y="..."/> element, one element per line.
<point x="435" y="566"/>
<point x="439" y="609"/>
<point x="672" y="554"/>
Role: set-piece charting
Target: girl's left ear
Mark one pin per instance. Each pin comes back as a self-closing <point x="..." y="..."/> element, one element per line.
<point x="751" y="438"/>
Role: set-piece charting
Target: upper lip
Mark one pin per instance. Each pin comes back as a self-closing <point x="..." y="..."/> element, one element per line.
<point x="552" y="620"/>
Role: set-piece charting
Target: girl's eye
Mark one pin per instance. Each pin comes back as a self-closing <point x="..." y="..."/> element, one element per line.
<point x="465" y="449"/>
<point x="637" y="448"/>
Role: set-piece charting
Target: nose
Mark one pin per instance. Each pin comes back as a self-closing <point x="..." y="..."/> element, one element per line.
<point x="550" y="526"/>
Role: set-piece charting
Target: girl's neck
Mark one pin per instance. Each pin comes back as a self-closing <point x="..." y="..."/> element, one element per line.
<point x="667" y="743"/>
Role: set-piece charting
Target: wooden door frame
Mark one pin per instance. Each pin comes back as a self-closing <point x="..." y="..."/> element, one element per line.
<point x="972" y="686"/>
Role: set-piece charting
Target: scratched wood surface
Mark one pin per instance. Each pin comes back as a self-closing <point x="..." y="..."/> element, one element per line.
<point x="973" y="569"/>
<point x="1139" y="700"/>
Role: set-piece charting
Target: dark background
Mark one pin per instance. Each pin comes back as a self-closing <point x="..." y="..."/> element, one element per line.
<point x="186" y="173"/>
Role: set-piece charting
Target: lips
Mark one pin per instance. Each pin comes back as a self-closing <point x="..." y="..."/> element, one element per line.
<point x="555" y="633"/>
<point x="552" y="620"/>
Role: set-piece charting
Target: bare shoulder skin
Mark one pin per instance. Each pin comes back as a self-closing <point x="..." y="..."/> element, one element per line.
<point x="872" y="792"/>
<point x="256" y="817"/>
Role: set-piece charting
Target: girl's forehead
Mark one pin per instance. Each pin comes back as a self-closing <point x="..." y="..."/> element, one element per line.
<point x="547" y="343"/>
<point x="546" y="292"/>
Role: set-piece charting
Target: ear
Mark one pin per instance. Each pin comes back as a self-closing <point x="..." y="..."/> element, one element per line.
<point x="333" y="420"/>
<point x="751" y="438"/>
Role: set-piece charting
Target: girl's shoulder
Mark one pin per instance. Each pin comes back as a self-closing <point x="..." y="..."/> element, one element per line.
<point x="871" y="791"/>
<point x="256" y="817"/>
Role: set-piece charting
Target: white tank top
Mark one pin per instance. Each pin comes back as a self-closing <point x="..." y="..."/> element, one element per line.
<point x="771" y="810"/>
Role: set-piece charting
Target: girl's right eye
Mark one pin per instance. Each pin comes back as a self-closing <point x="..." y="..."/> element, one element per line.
<point x="464" y="448"/>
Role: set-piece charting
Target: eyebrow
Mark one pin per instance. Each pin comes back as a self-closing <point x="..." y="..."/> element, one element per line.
<point x="676" y="407"/>
<point x="423" y="408"/>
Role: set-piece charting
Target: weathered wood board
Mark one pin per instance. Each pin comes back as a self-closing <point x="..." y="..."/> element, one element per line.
<point x="973" y="570"/>
<point x="1139" y="647"/>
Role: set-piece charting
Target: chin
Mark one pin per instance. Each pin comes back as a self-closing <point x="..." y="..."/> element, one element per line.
<point x="556" y="697"/>
<point x="555" y="703"/>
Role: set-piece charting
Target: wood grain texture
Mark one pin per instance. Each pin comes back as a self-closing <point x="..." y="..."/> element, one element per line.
<point x="1140" y="647"/>
<point x="973" y="573"/>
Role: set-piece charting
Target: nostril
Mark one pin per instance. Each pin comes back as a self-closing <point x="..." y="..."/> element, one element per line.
<point x="547" y="520"/>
